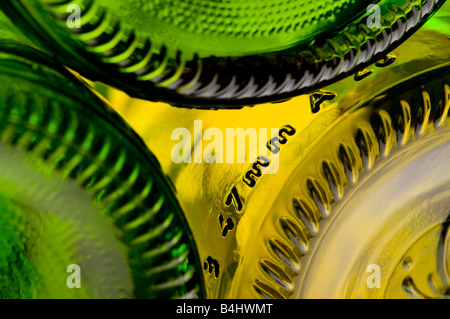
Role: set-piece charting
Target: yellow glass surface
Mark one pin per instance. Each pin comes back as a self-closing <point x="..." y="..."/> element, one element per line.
<point x="362" y="182"/>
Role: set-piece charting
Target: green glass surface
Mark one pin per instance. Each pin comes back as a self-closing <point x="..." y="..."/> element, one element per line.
<point x="78" y="187"/>
<point x="233" y="28"/>
<point x="218" y="54"/>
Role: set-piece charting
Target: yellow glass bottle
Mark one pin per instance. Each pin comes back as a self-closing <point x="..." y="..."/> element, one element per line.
<point x="356" y="205"/>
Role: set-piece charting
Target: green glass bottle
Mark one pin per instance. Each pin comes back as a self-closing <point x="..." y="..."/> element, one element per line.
<point x="218" y="54"/>
<point x="85" y="211"/>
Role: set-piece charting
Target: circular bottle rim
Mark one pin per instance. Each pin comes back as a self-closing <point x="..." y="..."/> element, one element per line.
<point x="131" y="63"/>
<point x="66" y="128"/>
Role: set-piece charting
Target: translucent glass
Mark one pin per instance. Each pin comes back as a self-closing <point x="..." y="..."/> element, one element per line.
<point x="362" y="181"/>
<point x="218" y="54"/>
<point x="82" y="200"/>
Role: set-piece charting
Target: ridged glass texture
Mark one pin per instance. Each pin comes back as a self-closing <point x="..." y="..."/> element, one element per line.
<point x="78" y="187"/>
<point x="234" y="28"/>
<point x="218" y="54"/>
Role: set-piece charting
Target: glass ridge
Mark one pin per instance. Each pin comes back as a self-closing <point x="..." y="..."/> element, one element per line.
<point x="66" y="132"/>
<point x="147" y="60"/>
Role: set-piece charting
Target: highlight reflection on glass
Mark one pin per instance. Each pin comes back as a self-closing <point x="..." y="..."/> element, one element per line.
<point x="357" y="206"/>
